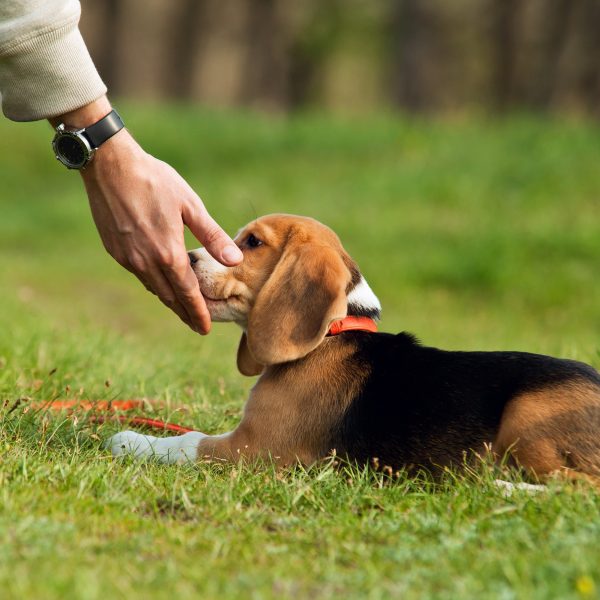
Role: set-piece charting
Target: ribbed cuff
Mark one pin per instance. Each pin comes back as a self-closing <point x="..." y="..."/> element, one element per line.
<point x="48" y="75"/>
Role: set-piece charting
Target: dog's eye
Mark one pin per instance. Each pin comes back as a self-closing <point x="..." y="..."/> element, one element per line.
<point x="253" y="241"/>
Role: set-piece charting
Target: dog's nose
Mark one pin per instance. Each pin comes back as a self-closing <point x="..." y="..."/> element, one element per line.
<point x="193" y="258"/>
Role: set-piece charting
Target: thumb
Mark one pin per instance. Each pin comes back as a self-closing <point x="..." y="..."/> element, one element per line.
<point x="218" y="244"/>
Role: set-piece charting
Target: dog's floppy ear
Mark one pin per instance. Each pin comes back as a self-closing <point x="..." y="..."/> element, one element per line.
<point x="246" y="363"/>
<point x="293" y="310"/>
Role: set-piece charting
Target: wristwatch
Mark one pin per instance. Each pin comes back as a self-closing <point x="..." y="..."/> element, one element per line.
<point x="76" y="148"/>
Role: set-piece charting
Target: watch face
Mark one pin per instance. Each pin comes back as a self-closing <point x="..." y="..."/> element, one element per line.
<point x="71" y="151"/>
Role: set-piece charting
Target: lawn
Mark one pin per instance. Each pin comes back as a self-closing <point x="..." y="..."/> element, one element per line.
<point x="475" y="234"/>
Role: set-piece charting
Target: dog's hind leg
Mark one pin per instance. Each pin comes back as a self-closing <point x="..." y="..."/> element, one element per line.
<point x="554" y="431"/>
<point x="576" y="477"/>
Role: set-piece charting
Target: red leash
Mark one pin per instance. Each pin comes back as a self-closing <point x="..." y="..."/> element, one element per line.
<point x="108" y="407"/>
<point x="151" y="423"/>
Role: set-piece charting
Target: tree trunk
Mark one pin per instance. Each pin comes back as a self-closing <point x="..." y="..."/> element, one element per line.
<point x="504" y="20"/>
<point x="410" y="44"/>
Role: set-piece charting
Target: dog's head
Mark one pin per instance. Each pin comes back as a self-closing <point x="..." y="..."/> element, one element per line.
<point x="295" y="280"/>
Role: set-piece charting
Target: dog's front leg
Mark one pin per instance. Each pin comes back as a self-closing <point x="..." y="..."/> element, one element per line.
<point x="184" y="448"/>
<point x="176" y="449"/>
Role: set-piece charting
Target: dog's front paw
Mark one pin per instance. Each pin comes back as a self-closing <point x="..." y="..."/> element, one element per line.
<point x="130" y="442"/>
<point x="178" y="449"/>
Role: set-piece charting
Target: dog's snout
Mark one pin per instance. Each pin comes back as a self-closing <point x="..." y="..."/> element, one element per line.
<point x="193" y="258"/>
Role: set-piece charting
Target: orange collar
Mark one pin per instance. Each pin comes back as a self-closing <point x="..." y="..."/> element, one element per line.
<point x="352" y="324"/>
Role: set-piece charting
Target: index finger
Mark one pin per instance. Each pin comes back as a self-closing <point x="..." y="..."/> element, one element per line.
<point x="218" y="244"/>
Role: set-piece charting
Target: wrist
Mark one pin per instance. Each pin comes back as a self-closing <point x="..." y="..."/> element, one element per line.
<point x="118" y="153"/>
<point x="84" y="116"/>
<point x="81" y="134"/>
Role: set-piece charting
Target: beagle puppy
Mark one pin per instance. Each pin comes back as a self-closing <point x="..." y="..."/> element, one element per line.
<point x="328" y="381"/>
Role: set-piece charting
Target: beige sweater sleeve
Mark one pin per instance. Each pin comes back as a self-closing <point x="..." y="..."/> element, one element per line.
<point x="45" y="67"/>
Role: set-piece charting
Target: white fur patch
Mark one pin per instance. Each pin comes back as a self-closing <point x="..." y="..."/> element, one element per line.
<point x="363" y="296"/>
<point x="508" y="488"/>
<point x="178" y="449"/>
<point x="206" y="264"/>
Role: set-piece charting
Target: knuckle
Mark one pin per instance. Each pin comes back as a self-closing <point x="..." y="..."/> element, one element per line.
<point x="181" y="262"/>
<point x="168" y="300"/>
<point x="165" y="257"/>
<point x="186" y="290"/>
<point x="137" y="264"/>
<point x="174" y="263"/>
<point x="190" y="295"/>
<point x="161" y="258"/>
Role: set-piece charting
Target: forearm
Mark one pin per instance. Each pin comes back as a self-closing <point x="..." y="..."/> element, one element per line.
<point x="45" y="68"/>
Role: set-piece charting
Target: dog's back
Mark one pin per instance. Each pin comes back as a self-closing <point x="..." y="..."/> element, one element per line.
<point x="424" y="407"/>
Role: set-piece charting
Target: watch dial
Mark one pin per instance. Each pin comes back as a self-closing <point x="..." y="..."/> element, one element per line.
<point x="72" y="150"/>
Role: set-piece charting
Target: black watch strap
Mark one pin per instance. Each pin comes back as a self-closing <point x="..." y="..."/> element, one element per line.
<point x="104" y="129"/>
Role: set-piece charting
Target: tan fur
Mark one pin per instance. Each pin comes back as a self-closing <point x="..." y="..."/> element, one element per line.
<point x="292" y="408"/>
<point x="553" y="431"/>
<point x="246" y="363"/>
<point x="293" y="311"/>
<point x="285" y="295"/>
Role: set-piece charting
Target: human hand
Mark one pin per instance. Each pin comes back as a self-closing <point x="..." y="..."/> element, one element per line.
<point x="140" y="206"/>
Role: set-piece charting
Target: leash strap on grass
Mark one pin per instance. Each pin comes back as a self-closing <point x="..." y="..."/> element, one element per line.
<point x="145" y="421"/>
<point x="108" y="407"/>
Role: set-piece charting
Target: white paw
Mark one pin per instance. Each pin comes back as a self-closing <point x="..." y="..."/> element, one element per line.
<point x="130" y="442"/>
<point x="508" y="488"/>
<point x="177" y="449"/>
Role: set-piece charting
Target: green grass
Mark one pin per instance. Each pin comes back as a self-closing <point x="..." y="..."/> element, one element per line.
<point x="475" y="235"/>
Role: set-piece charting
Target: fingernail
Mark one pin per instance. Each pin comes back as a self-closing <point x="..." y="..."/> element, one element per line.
<point x="232" y="254"/>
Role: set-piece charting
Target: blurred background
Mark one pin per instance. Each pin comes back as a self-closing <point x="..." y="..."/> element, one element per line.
<point x="351" y="55"/>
